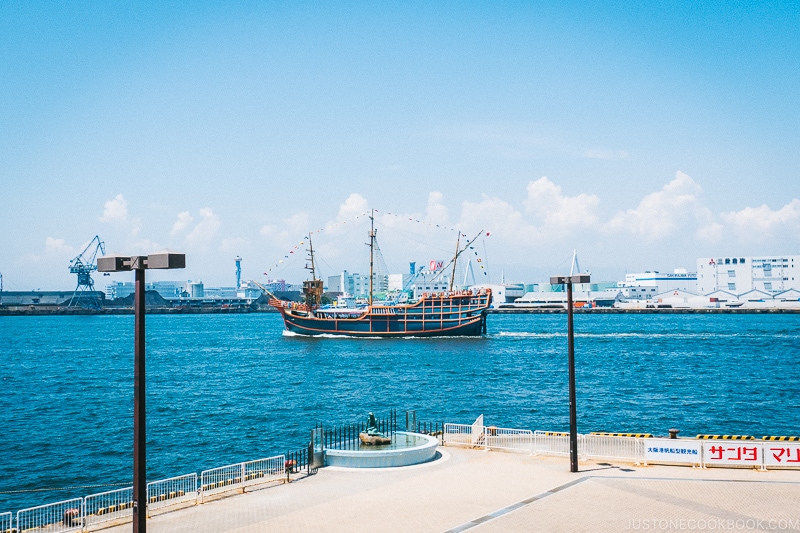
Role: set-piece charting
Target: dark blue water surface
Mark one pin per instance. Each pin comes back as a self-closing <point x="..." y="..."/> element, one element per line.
<point x="228" y="388"/>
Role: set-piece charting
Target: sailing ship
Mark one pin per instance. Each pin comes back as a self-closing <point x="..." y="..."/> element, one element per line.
<point x="454" y="313"/>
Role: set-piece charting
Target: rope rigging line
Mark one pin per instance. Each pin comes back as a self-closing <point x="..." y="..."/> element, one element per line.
<point x="293" y="252"/>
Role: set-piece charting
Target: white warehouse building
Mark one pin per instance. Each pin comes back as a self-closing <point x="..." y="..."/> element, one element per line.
<point x="738" y="275"/>
<point x="648" y="284"/>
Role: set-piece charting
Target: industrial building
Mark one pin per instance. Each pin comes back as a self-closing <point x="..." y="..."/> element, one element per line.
<point x="648" y="284"/>
<point x="771" y="274"/>
<point x="356" y="284"/>
<point x="748" y="282"/>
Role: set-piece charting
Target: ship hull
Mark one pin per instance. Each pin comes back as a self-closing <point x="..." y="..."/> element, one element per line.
<point x="458" y="315"/>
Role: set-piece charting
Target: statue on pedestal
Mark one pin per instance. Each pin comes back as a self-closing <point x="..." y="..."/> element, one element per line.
<point x="371" y="436"/>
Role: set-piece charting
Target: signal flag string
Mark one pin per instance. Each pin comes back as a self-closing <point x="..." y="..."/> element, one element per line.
<point x="331" y="227"/>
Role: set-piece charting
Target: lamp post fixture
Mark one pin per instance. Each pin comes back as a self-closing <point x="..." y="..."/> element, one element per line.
<point x="573" y="410"/>
<point x="140" y="263"/>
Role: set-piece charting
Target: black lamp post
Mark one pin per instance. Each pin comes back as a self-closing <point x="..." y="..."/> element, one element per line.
<point x="139" y="263"/>
<point x="573" y="410"/>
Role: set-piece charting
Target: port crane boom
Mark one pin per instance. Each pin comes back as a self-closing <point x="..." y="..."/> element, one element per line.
<point x="83" y="265"/>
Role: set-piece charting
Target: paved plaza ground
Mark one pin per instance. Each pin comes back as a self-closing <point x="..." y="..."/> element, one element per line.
<point x="481" y="492"/>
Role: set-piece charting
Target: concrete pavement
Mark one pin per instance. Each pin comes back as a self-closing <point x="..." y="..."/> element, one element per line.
<point x="480" y="492"/>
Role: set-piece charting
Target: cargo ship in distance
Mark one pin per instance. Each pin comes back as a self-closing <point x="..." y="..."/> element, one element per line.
<point x="455" y="313"/>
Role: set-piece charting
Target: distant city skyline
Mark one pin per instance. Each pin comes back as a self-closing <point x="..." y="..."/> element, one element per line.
<point x="644" y="136"/>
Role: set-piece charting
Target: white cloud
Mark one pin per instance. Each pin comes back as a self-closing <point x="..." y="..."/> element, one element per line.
<point x="267" y="230"/>
<point x="205" y="230"/>
<point x="436" y="212"/>
<point x="536" y="230"/>
<point x="660" y="214"/>
<point x="57" y="247"/>
<point x="289" y="232"/>
<point x="55" y="251"/>
<point x="145" y="246"/>
<point x="298" y="223"/>
<point x="754" y="224"/>
<point x="136" y="227"/>
<point x="560" y="214"/>
<point x="185" y="220"/>
<point x="497" y="216"/>
<point x="711" y="231"/>
<point x="353" y="206"/>
<point x="115" y="210"/>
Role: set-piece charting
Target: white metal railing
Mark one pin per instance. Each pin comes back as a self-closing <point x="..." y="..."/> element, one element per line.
<point x="612" y="447"/>
<point x="458" y="434"/>
<point x="80" y="514"/>
<point x="551" y="443"/>
<point x="516" y="440"/>
<point x="478" y="431"/>
<point x="56" y="517"/>
<point x="221" y="479"/>
<point x="241" y="475"/>
<point x="264" y="470"/>
<point x="171" y="491"/>
<point x="108" y="506"/>
<point x="5" y="522"/>
<point x="638" y="449"/>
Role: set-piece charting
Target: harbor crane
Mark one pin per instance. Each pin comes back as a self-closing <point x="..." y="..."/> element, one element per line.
<point x="83" y="265"/>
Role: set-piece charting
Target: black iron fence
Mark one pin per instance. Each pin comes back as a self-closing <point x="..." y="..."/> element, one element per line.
<point x="435" y="429"/>
<point x="345" y="437"/>
<point x="297" y="462"/>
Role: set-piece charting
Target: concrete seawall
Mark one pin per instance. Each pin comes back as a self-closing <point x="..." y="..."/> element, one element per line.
<point x="656" y="311"/>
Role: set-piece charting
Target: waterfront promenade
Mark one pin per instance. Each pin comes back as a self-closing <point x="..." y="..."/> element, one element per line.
<point x="480" y="491"/>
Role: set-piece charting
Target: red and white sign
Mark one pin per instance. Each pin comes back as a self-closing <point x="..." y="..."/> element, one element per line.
<point x="782" y="454"/>
<point x="732" y="452"/>
<point x="435" y="265"/>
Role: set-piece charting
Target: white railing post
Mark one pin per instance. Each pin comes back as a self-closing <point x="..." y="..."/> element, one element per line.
<point x="6" y="520"/>
<point x="108" y="506"/>
<point x="477" y="430"/>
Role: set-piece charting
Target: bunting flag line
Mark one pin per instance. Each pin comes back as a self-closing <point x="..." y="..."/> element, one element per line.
<point x="336" y="225"/>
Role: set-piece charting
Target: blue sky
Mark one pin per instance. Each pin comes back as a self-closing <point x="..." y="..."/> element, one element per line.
<point x="643" y="135"/>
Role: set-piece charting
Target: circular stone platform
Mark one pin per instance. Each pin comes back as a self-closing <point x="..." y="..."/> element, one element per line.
<point x="406" y="449"/>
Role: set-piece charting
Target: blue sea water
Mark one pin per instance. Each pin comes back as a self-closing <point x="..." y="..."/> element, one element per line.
<point x="228" y="388"/>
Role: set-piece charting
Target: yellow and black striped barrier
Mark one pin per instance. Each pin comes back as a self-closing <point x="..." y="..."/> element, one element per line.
<point x="726" y="437"/>
<point x="637" y="435"/>
<point x="555" y="434"/>
<point x="793" y="439"/>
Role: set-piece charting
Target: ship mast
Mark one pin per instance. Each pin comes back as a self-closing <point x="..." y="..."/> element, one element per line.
<point x="313" y="288"/>
<point x="371" y="253"/>
<point x="312" y="268"/>
<point x="455" y="259"/>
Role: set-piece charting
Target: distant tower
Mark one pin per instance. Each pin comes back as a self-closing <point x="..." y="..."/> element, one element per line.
<point x="575" y="268"/>
<point x="238" y="271"/>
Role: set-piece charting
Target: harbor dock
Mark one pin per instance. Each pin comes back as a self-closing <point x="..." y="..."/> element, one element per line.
<point x="482" y="491"/>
